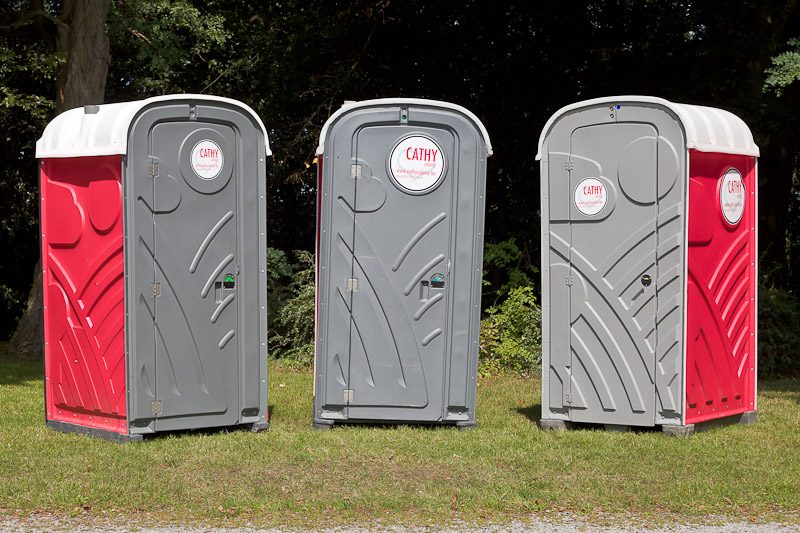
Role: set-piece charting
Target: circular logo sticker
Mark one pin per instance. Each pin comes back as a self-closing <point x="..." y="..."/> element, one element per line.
<point x="417" y="163"/>
<point x="207" y="159"/>
<point x="731" y="196"/>
<point x="590" y="196"/>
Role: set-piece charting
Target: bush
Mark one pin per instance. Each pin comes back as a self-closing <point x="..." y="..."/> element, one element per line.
<point x="778" y="333"/>
<point x="279" y="280"/>
<point x="291" y="337"/>
<point x="511" y="335"/>
<point x="507" y="266"/>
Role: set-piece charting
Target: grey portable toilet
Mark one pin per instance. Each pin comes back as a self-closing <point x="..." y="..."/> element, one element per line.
<point x="399" y="263"/>
<point x="649" y="265"/>
<point x="153" y="217"/>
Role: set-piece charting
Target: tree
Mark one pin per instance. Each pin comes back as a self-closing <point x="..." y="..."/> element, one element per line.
<point x="512" y="62"/>
<point x="77" y="37"/>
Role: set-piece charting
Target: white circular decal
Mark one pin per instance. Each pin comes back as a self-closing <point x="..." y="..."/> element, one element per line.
<point x="417" y="163"/>
<point x="207" y="159"/>
<point x="590" y="196"/>
<point x="731" y="196"/>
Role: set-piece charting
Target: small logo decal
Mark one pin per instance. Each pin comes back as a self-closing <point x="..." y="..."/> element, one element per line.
<point x="590" y="196"/>
<point x="417" y="163"/>
<point x="732" y="196"/>
<point x="207" y="159"/>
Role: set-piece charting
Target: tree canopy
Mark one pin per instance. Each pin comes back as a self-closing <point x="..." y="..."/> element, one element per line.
<point x="512" y="62"/>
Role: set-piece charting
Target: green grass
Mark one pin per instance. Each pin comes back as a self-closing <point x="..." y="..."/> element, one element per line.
<point x="506" y="468"/>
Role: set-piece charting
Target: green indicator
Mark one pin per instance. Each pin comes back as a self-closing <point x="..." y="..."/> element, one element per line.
<point x="229" y="278"/>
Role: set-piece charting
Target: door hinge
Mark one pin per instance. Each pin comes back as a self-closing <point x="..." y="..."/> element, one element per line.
<point x="157" y="407"/>
<point x="568" y="165"/>
<point x="569" y="280"/>
<point x="152" y="168"/>
<point x="352" y="284"/>
<point x="155" y="289"/>
<point x="568" y="398"/>
<point x="348" y="395"/>
<point x="355" y="171"/>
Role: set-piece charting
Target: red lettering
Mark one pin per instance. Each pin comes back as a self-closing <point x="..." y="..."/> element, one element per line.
<point x="421" y="154"/>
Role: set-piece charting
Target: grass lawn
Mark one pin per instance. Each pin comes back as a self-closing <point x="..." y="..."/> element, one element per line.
<point x="293" y="475"/>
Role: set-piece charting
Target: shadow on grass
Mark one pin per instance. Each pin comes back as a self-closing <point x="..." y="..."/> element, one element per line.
<point x="785" y="386"/>
<point x="16" y="372"/>
<point x="532" y="413"/>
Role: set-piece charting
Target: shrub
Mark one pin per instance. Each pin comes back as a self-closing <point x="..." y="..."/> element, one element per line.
<point x="279" y="279"/>
<point x="507" y="266"/>
<point x="511" y="335"/>
<point x="778" y="333"/>
<point x="291" y="336"/>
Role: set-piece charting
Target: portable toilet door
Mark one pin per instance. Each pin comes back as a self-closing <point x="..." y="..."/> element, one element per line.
<point x="153" y="217"/>
<point x="648" y="265"/>
<point x="399" y="263"/>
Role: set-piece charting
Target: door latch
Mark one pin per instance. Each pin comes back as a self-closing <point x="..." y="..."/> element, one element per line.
<point x="646" y="280"/>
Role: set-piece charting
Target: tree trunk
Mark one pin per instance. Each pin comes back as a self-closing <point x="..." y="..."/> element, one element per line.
<point x="81" y="36"/>
<point x="27" y="341"/>
<point x="88" y="55"/>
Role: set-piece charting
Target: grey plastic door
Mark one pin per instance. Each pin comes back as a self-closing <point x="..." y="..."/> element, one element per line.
<point x="610" y="286"/>
<point x="195" y="261"/>
<point x="400" y="279"/>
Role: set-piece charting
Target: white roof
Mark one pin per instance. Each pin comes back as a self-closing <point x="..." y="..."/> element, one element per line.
<point x="75" y="133"/>
<point x="401" y="101"/>
<point x="708" y="129"/>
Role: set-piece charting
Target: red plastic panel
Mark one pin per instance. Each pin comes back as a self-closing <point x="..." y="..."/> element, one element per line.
<point x="83" y="276"/>
<point x="721" y="314"/>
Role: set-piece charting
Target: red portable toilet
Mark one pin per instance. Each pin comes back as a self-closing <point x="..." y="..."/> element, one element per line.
<point x="153" y="218"/>
<point x="649" y="265"/>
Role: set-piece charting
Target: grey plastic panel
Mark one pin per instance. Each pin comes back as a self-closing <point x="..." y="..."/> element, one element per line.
<point x="198" y="348"/>
<point x="612" y="327"/>
<point x="612" y="345"/>
<point x="405" y="347"/>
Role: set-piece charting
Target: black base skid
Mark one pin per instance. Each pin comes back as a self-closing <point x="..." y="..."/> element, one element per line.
<point x="66" y="427"/>
<point x="682" y="431"/>
<point x="326" y="424"/>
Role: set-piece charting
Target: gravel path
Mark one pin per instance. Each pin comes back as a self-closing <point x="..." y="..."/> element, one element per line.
<point x="563" y="524"/>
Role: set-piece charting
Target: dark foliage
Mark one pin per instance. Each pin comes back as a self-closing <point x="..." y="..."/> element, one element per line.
<point x="512" y="62"/>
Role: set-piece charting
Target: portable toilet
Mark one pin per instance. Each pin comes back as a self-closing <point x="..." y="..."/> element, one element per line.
<point x="401" y="201"/>
<point x="649" y="265"/>
<point x="153" y="219"/>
